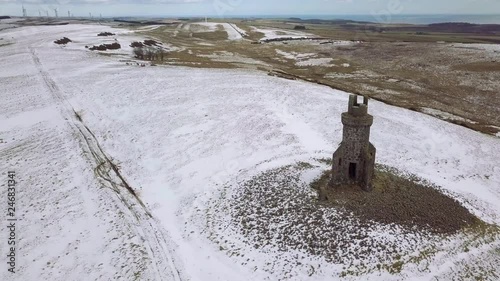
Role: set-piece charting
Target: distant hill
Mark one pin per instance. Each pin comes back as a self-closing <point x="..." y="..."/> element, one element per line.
<point x="145" y="22"/>
<point x="447" y="27"/>
<point x="465" y="27"/>
<point x="320" y="21"/>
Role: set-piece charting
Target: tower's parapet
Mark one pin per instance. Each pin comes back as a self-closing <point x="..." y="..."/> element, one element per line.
<point x="354" y="160"/>
<point x="355" y="108"/>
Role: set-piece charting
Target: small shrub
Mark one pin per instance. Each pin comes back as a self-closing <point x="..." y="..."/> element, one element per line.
<point x="105" y="34"/>
<point x="136" y="44"/>
<point x="114" y="46"/>
<point x="98" y="48"/>
<point x="151" y="43"/>
<point x="104" y="47"/>
<point x="63" y="41"/>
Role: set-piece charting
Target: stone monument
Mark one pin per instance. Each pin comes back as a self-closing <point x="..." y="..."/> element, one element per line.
<point x="354" y="160"/>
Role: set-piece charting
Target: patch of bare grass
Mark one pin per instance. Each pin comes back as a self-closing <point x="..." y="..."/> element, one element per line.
<point x="212" y="35"/>
<point x="479" y="66"/>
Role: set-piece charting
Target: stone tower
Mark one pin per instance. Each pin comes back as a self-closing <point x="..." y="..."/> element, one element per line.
<point x="354" y="160"/>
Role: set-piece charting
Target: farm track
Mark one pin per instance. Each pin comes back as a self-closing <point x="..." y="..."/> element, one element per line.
<point x="108" y="172"/>
<point x="235" y="29"/>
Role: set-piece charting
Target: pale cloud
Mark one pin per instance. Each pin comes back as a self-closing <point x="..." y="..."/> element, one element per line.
<point x="75" y="2"/>
<point x="379" y="10"/>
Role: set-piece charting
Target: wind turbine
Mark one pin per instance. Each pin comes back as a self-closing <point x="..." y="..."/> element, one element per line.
<point x="24" y="11"/>
<point x="55" y="12"/>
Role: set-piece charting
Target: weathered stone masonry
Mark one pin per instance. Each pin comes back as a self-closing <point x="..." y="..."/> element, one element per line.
<point x="354" y="160"/>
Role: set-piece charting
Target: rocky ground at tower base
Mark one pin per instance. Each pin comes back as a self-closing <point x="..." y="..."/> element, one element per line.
<point x="404" y="222"/>
<point x="400" y="199"/>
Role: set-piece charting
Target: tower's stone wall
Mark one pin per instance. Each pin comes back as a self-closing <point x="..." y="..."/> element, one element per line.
<point x="354" y="160"/>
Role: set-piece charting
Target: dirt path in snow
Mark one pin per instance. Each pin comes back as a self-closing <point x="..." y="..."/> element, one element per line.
<point x="108" y="172"/>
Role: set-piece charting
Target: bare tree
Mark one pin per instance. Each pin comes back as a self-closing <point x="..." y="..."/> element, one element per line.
<point x="161" y="54"/>
<point x="139" y="53"/>
<point x="149" y="53"/>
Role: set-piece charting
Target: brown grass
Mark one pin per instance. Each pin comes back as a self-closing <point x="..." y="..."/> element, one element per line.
<point x="479" y="66"/>
<point x="211" y="36"/>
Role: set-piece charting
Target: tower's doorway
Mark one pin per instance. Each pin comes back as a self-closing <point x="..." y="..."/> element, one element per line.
<point x="352" y="170"/>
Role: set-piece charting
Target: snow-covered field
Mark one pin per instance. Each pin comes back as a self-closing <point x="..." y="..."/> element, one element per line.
<point x="316" y="62"/>
<point x="231" y="29"/>
<point x="179" y="136"/>
<point x="225" y="56"/>
<point x="8" y="23"/>
<point x="487" y="47"/>
<point x="308" y="59"/>
<point x="271" y="33"/>
<point x="444" y="115"/>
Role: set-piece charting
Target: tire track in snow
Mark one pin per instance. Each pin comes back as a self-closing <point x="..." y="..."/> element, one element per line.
<point x="107" y="171"/>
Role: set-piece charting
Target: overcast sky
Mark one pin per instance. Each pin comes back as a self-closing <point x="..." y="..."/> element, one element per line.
<point x="250" y="7"/>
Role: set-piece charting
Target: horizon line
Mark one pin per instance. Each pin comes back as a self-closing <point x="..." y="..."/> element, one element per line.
<point x="296" y="15"/>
